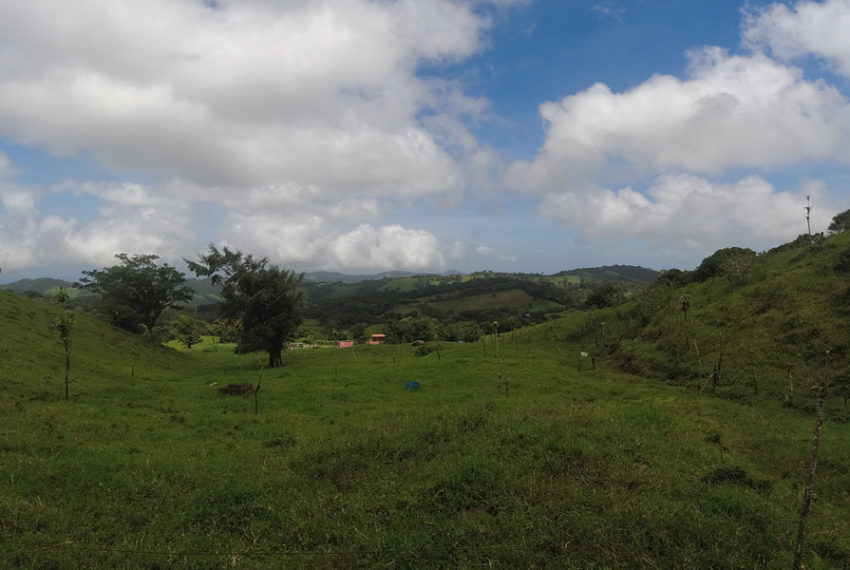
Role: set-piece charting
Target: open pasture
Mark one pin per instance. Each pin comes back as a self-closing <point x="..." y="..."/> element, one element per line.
<point x="510" y="454"/>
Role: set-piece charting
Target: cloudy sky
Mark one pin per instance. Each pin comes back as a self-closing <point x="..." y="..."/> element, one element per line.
<point x="424" y="135"/>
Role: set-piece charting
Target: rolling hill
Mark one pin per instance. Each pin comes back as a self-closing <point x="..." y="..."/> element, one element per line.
<point x="342" y="302"/>
<point x="516" y="451"/>
<point x="771" y="324"/>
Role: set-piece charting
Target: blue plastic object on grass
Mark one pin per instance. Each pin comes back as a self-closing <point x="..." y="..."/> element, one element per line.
<point x="412" y="386"/>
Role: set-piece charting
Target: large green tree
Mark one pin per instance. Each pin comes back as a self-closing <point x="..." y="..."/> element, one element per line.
<point x="265" y="298"/>
<point x="409" y="329"/>
<point x="733" y="262"/>
<point x="134" y="293"/>
<point x="840" y="223"/>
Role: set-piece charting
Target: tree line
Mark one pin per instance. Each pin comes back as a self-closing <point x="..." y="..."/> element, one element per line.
<point x="261" y="303"/>
<point x="261" y="307"/>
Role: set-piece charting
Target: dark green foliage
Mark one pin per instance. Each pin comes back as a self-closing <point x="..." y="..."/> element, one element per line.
<point x="409" y="329"/>
<point x="188" y="330"/>
<point x="226" y="330"/>
<point x="358" y="332"/>
<point x="464" y="331"/>
<point x="605" y="295"/>
<point x="675" y="278"/>
<point x="481" y="297"/>
<point x="424" y="350"/>
<point x="734" y="262"/>
<point x="264" y="298"/>
<point x="134" y="293"/>
<point x="840" y="223"/>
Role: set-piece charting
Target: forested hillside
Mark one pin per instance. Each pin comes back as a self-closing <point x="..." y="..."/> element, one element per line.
<point x="340" y="306"/>
<point x="516" y="299"/>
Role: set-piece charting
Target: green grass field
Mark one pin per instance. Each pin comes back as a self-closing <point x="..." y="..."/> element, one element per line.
<point x="511" y="454"/>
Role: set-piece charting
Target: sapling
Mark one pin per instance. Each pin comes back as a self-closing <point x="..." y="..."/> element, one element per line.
<point x="716" y="439"/>
<point x="63" y="325"/>
<point x="714" y="378"/>
<point x="685" y="305"/>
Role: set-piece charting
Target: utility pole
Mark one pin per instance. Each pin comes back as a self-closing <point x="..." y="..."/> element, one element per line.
<point x="809" y="214"/>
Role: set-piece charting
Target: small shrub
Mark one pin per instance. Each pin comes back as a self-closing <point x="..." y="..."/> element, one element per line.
<point x="424" y="350"/>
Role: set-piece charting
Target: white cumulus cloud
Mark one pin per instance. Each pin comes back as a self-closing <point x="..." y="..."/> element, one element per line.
<point x="303" y="122"/>
<point x="806" y="28"/>
<point x="247" y="93"/>
<point x="389" y="247"/>
<point x="731" y="112"/>
<point x="130" y="219"/>
<point x="688" y="212"/>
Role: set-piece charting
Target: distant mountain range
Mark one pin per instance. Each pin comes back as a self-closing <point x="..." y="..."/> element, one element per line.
<point x="337" y="304"/>
<point x="44" y="286"/>
<point x="613" y="273"/>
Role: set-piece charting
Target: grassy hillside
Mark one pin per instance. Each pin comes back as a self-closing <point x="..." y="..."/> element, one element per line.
<point x="512" y="453"/>
<point x="781" y="313"/>
<point x="46" y="287"/>
<point x="32" y="358"/>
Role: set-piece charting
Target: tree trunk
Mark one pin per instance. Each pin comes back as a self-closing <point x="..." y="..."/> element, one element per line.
<point x="275" y="358"/>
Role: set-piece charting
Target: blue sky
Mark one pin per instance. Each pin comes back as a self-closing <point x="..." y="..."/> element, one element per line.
<point x="364" y="135"/>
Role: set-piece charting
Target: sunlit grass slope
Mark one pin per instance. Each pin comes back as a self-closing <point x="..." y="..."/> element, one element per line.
<point x="512" y="453"/>
<point x="774" y="329"/>
<point x="32" y="359"/>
